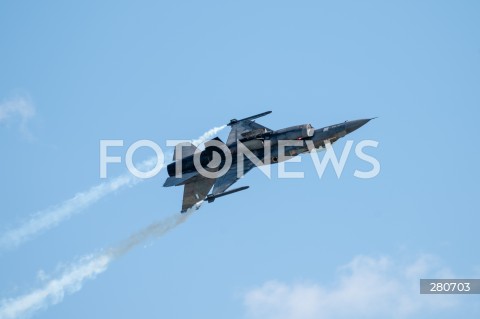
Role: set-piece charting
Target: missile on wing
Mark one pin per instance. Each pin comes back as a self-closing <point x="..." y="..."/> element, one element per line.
<point x="210" y="198"/>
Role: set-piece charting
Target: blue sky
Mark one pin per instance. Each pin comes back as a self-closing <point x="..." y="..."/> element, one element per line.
<point x="73" y="74"/>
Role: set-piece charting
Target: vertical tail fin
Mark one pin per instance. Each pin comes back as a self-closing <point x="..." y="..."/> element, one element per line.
<point x="187" y="149"/>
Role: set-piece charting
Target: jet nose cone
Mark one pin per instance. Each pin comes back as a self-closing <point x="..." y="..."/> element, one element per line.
<point x="353" y="125"/>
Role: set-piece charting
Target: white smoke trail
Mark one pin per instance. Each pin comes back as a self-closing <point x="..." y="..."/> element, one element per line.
<point x="54" y="291"/>
<point x="214" y="131"/>
<point x="51" y="217"/>
<point x="88" y="267"/>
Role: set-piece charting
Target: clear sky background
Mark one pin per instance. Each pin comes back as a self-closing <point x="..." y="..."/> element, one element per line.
<point x="74" y="73"/>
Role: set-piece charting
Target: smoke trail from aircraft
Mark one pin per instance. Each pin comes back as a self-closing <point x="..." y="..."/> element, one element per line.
<point x="88" y="267"/>
<point x="208" y="134"/>
<point x="51" y="217"/>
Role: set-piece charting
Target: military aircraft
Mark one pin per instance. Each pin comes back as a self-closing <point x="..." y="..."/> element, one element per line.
<point x="249" y="144"/>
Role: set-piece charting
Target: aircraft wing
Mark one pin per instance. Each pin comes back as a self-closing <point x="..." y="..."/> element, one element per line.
<point x="197" y="186"/>
<point x="242" y="127"/>
<point x="230" y="178"/>
<point x="196" y="189"/>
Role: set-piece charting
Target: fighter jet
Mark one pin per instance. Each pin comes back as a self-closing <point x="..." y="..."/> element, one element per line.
<point x="249" y="144"/>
